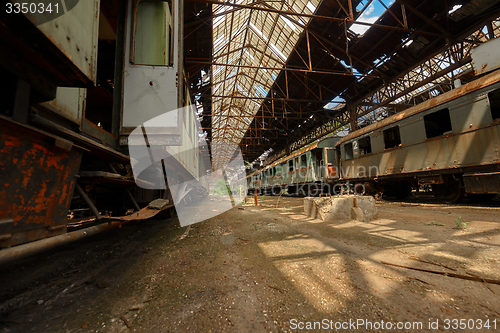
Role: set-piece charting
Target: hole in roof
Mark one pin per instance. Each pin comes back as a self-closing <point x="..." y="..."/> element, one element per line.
<point x="370" y="15"/>
<point x="455" y="8"/>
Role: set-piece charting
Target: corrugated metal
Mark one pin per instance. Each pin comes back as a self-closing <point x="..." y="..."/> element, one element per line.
<point x="472" y="8"/>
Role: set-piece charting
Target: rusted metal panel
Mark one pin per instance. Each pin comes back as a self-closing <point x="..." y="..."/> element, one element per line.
<point x="440" y="152"/>
<point x="143" y="214"/>
<point x="478" y="146"/>
<point x="485" y="57"/>
<point x="482" y="182"/>
<point x="332" y="172"/>
<point x="38" y="178"/>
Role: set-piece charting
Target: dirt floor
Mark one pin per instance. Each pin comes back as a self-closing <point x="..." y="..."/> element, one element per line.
<point x="268" y="269"/>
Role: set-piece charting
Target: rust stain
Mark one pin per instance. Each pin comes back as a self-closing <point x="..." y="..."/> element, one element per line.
<point x="38" y="182"/>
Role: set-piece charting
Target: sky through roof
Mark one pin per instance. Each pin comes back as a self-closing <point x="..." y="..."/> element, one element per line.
<point x="244" y="40"/>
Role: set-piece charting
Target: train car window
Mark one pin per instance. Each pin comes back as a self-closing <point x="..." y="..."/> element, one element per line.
<point x="152" y="40"/>
<point x="330" y="156"/>
<point x="392" y="138"/>
<point x="303" y="161"/>
<point x="348" y="151"/>
<point x="437" y="123"/>
<point x="290" y="165"/>
<point x="494" y="98"/>
<point x="365" y="145"/>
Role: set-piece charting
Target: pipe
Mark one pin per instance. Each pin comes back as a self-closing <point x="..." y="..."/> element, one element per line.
<point x="87" y="200"/>
<point x="131" y="197"/>
<point x="25" y="250"/>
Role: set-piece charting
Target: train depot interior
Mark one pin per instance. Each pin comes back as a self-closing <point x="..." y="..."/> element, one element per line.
<point x="250" y="166"/>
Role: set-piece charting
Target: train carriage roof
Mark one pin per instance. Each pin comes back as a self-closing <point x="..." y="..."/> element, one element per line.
<point x="439" y="100"/>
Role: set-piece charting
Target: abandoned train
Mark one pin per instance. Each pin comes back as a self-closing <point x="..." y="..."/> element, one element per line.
<point x="75" y="84"/>
<point x="449" y="142"/>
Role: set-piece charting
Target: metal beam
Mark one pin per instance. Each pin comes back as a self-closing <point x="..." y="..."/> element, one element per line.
<point x="303" y="70"/>
<point x="318" y="17"/>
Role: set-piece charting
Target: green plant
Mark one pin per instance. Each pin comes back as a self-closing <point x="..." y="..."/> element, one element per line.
<point x="434" y="223"/>
<point x="460" y="224"/>
<point x="221" y="188"/>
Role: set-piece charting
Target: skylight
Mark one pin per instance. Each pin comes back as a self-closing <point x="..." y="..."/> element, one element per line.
<point x="311" y="7"/>
<point x="248" y="40"/>
<point x="289" y="23"/>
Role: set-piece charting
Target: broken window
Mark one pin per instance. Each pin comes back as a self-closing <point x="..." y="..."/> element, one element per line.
<point x="303" y="161"/>
<point x="365" y="145"/>
<point x="319" y="157"/>
<point x="290" y="165"/>
<point x="152" y="43"/>
<point x="437" y="123"/>
<point x="494" y="98"/>
<point x="348" y="151"/>
<point x="392" y="137"/>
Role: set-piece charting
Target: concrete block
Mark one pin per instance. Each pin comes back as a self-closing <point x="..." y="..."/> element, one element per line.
<point x="308" y="202"/>
<point x="323" y="206"/>
<point x="341" y="208"/>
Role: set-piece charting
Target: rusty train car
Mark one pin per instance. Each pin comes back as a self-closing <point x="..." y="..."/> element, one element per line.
<point x="77" y="78"/>
<point x="308" y="171"/>
<point x="450" y="142"/>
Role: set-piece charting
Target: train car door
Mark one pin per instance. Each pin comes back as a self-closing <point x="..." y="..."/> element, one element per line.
<point x="330" y="164"/>
<point x="152" y="79"/>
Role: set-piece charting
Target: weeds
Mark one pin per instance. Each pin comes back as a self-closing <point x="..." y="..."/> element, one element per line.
<point x="434" y="223"/>
<point x="255" y="226"/>
<point x="460" y="224"/>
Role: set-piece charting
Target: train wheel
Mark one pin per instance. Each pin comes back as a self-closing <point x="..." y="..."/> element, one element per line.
<point x="451" y="192"/>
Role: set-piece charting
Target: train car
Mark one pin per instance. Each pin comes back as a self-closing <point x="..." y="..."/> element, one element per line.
<point x="77" y="79"/>
<point x="449" y="142"/>
<point x="310" y="171"/>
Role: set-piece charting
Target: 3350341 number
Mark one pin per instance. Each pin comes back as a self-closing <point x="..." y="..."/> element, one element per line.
<point x="32" y="8"/>
<point x="470" y="324"/>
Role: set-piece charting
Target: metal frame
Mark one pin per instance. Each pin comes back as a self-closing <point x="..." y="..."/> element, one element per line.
<point x="421" y="49"/>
